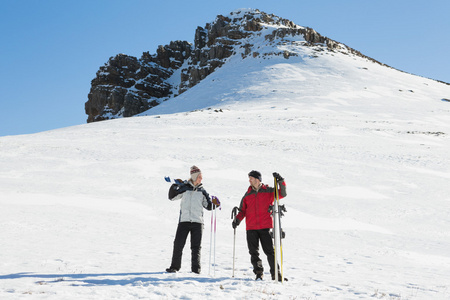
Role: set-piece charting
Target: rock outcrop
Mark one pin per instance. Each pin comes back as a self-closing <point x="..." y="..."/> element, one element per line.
<point x="126" y="86"/>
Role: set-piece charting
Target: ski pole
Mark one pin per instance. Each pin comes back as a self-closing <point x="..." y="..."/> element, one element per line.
<point x="215" y="203"/>
<point x="214" y="258"/>
<point x="233" y="216"/>
<point x="212" y="248"/>
<point x="210" y="245"/>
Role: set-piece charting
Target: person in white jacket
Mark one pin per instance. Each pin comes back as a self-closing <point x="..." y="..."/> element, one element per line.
<point x="194" y="199"/>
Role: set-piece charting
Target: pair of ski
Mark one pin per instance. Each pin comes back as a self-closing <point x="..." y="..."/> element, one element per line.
<point x="278" y="233"/>
<point x="277" y="213"/>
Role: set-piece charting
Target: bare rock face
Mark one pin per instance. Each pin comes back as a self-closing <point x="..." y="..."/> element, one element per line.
<point x="126" y="86"/>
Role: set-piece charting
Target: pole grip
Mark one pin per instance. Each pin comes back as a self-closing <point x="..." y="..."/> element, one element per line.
<point x="234" y="212"/>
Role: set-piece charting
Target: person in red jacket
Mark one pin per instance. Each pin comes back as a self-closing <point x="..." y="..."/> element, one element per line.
<point x="255" y="208"/>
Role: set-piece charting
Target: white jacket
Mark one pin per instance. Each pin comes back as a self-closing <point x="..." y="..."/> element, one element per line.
<point x="193" y="201"/>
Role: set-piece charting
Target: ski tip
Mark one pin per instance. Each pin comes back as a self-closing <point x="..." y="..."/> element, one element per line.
<point x="167" y="178"/>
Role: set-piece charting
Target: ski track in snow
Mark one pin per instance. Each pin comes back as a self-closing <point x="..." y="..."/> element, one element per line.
<point x="364" y="150"/>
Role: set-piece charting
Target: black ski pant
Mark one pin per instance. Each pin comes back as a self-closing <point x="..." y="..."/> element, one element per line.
<point x="184" y="228"/>
<point x="253" y="239"/>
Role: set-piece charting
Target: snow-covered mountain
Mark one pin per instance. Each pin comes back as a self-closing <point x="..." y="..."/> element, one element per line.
<point x="126" y="86"/>
<point x="363" y="147"/>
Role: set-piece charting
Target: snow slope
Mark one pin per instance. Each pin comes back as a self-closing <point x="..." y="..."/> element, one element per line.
<point x="364" y="150"/>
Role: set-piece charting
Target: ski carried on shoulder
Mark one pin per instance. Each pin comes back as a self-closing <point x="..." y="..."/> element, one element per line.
<point x="176" y="181"/>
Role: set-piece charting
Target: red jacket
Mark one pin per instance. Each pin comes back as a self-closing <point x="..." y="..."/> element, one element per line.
<point x="255" y="206"/>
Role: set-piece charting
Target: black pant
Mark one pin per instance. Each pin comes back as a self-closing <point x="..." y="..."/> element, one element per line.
<point x="184" y="228"/>
<point x="253" y="239"/>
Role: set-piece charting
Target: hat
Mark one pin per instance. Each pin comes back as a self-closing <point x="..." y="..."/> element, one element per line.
<point x="255" y="174"/>
<point x="195" y="171"/>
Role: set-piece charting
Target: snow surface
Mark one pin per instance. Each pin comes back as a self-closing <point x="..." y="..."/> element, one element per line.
<point x="364" y="150"/>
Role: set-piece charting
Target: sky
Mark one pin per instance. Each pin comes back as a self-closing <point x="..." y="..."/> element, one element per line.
<point x="50" y="50"/>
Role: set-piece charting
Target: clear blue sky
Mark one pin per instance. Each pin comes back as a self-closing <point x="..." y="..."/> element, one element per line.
<point x="51" y="49"/>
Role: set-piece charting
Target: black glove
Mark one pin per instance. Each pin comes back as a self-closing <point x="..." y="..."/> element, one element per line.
<point x="176" y="189"/>
<point x="278" y="176"/>
<point x="235" y="223"/>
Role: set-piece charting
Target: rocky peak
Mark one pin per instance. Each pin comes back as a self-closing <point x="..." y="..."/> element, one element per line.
<point x="126" y="86"/>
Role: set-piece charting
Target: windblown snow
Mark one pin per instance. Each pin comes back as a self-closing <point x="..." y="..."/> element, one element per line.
<point x="364" y="150"/>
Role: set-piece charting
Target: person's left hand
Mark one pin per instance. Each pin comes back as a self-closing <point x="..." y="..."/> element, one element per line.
<point x="215" y="201"/>
<point x="277" y="176"/>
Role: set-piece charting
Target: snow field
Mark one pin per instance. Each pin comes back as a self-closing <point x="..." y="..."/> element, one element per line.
<point x="364" y="150"/>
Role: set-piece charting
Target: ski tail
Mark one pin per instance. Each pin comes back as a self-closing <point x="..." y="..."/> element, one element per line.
<point x="176" y="181"/>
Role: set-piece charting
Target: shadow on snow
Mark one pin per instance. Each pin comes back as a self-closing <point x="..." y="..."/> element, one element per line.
<point x="127" y="278"/>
